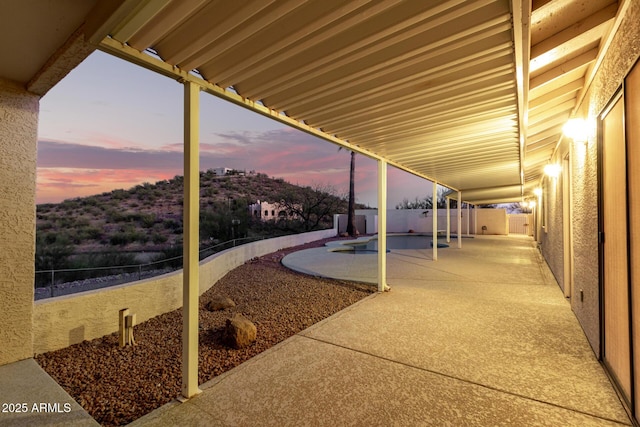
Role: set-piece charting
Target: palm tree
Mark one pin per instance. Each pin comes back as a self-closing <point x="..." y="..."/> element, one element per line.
<point x="351" y="214"/>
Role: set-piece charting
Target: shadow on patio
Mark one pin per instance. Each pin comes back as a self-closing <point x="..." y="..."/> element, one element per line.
<point x="481" y="337"/>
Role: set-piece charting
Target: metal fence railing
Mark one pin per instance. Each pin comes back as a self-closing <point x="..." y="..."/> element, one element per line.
<point x="50" y="283"/>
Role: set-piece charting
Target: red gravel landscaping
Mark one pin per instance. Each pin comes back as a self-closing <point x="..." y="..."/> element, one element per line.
<point x="118" y="385"/>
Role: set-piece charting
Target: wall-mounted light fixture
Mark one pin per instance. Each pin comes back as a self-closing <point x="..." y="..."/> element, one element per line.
<point x="552" y="170"/>
<point x="537" y="191"/>
<point x="577" y="129"/>
<point x="532" y="204"/>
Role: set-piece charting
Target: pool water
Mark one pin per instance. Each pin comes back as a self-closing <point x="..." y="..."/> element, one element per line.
<point x="403" y="241"/>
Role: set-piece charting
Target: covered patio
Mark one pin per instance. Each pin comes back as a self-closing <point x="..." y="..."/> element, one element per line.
<point x="471" y="95"/>
<point x="482" y="337"/>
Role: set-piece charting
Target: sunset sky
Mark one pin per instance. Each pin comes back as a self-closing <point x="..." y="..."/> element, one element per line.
<point x="110" y="124"/>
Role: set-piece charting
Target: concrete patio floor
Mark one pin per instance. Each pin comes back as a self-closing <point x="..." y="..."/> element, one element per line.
<point x="481" y="337"/>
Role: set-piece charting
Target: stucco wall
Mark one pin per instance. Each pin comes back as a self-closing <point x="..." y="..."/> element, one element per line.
<point x="551" y="237"/>
<point x="18" y="135"/>
<point x="62" y="321"/>
<point x="403" y="220"/>
<point x="622" y="54"/>
<point x="494" y="219"/>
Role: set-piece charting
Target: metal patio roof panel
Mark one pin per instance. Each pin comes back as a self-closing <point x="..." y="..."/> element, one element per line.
<point x="373" y="39"/>
<point x="386" y="76"/>
<point x="376" y="61"/>
<point x="427" y="85"/>
<point x="400" y="91"/>
<point x="414" y="82"/>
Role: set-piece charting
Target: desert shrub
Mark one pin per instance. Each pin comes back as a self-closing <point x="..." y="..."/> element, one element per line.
<point x="174" y="253"/>
<point x="114" y="215"/>
<point x="65" y="222"/>
<point x="148" y="220"/>
<point x="104" y="259"/>
<point x="89" y="201"/>
<point x="118" y="194"/>
<point x="52" y="251"/>
<point x="158" y="238"/>
<point x="69" y="205"/>
<point x="82" y="234"/>
<point x="81" y="222"/>
<point x="150" y="198"/>
<point x="45" y="226"/>
<point x="44" y="208"/>
<point x="123" y="238"/>
<point x="118" y="239"/>
<point x="172" y="224"/>
<point x="48" y="238"/>
<point x="94" y="233"/>
<point x="132" y="217"/>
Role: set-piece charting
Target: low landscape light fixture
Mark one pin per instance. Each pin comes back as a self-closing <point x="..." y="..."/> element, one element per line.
<point x="577" y="129"/>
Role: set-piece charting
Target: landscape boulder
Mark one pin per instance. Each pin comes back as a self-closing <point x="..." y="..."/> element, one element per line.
<point x="219" y="302"/>
<point x="239" y="331"/>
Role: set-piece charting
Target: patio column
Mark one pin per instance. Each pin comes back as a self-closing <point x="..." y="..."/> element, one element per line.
<point x="190" y="284"/>
<point x="448" y="219"/>
<point x="468" y="220"/>
<point x="459" y="219"/>
<point x="475" y="219"/>
<point x="434" y="205"/>
<point x="382" y="226"/>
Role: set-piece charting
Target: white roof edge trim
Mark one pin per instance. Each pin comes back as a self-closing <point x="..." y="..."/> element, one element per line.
<point x="521" y="12"/>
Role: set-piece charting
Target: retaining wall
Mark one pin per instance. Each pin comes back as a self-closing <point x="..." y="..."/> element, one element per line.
<point x="70" y="319"/>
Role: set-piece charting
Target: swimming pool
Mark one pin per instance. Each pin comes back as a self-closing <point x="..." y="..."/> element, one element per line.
<point x="394" y="241"/>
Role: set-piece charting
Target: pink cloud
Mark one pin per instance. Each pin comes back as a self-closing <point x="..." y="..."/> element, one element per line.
<point x="71" y="170"/>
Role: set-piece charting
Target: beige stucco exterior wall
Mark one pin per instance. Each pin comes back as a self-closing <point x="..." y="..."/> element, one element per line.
<point x="62" y="321"/>
<point x="623" y="52"/>
<point x="551" y="236"/>
<point x="18" y="136"/>
<point x="495" y="220"/>
<point x="403" y="220"/>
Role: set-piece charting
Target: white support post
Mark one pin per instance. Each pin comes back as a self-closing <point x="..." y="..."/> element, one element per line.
<point x="459" y="219"/>
<point x="382" y="226"/>
<point x="468" y="220"/>
<point x="475" y="219"/>
<point x="448" y="219"/>
<point x="434" y="205"/>
<point x="190" y="284"/>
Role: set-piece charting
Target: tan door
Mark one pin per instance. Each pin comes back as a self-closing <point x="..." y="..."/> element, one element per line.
<point x="617" y="353"/>
<point x="632" y="120"/>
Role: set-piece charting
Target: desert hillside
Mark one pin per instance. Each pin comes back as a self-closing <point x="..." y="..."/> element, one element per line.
<point x="148" y="217"/>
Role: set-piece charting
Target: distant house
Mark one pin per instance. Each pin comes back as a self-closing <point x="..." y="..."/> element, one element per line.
<point x="221" y="171"/>
<point x="267" y="211"/>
